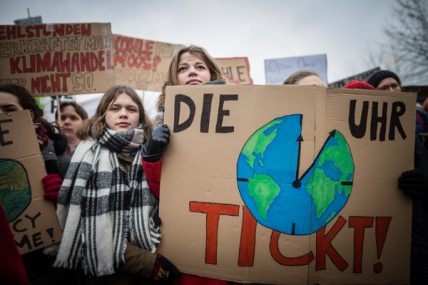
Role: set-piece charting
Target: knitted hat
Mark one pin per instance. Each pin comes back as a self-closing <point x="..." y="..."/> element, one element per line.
<point x="380" y="75"/>
<point x="355" y="84"/>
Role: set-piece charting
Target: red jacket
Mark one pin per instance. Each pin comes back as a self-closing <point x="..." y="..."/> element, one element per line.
<point x="12" y="270"/>
<point x="152" y="171"/>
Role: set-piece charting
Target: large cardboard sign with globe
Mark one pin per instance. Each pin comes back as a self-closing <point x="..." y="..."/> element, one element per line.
<point x="287" y="184"/>
<point x="32" y="219"/>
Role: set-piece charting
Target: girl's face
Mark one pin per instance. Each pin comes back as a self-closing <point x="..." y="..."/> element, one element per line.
<point x="9" y="103"/>
<point x="192" y="70"/>
<point x="122" y="114"/>
<point x="70" y="122"/>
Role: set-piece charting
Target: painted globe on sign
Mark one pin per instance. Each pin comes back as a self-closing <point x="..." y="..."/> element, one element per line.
<point x="281" y="198"/>
<point x="15" y="190"/>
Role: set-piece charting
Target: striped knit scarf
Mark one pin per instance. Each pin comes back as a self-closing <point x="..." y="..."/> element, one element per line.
<point x="100" y="208"/>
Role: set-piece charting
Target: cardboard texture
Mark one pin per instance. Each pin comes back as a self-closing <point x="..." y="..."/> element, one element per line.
<point x="142" y="64"/>
<point x="287" y="184"/>
<point x="32" y="219"/>
<point x="54" y="59"/>
<point x="235" y="70"/>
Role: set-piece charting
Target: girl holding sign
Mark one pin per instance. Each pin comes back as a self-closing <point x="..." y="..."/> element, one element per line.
<point x="52" y="145"/>
<point x="105" y="206"/>
<point x="191" y="65"/>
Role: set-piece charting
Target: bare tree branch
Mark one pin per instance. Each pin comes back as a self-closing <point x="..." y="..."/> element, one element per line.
<point x="406" y="51"/>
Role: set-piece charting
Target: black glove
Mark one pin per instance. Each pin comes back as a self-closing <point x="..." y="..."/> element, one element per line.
<point x="414" y="183"/>
<point x="51" y="166"/>
<point x="60" y="143"/>
<point x="156" y="144"/>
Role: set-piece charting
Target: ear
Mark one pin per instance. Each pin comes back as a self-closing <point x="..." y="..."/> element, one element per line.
<point x="32" y="114"/>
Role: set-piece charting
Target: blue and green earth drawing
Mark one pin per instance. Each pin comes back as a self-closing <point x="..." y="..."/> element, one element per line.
<point x="15" y="190"/>
<point x="272" y="188"/>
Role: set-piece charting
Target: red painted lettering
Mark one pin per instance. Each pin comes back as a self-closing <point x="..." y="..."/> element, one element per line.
<point x="382" y="226"/>
<point x="213" y="212"/>
<point x="248" y="239"/>
<point x="324" y="246"/>
<point x="284" y="260"/>
<point x="359" y="224"/>
<point x="14" y="65"/>
<point x="52" y="83"/>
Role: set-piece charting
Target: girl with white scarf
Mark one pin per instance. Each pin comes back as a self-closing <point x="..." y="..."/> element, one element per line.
<point x="105" y="206"/>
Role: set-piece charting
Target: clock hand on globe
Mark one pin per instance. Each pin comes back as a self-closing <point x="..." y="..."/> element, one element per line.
<point x="296" y="183"/>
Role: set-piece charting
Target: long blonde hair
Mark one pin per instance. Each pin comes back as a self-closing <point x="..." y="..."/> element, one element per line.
<point x="173" y="69"/>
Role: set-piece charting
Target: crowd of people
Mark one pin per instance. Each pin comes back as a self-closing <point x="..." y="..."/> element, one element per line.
<point x="103" y="176"/>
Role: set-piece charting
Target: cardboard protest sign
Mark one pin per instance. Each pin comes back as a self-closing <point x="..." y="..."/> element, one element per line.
<point x="279" y="69"/>
<point x="287" y="184"/>
<point x="235" y="70"/>
<point x="142" y="64"/>
<point x="32" y="219"/>
<point x="53" y="59"/>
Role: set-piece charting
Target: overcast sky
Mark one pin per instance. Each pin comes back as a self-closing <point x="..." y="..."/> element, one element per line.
<point x="345" y="30"/>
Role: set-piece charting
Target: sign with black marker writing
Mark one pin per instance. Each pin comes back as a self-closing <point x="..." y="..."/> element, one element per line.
<point x="32" y="219"/>
<point x="287" y="184"/>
